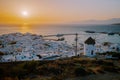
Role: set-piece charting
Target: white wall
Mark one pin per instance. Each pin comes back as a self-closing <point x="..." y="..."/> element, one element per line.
<point x="88" y="50"/>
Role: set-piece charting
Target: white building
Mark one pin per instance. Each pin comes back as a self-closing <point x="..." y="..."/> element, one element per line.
<point x="89" y="47"/>
<point x="26" y="47"/>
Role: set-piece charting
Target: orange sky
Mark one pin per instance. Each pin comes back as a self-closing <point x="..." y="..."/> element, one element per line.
<point x="57" y="11"/>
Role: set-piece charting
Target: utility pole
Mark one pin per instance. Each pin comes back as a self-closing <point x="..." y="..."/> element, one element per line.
<point x="76" y="39"/>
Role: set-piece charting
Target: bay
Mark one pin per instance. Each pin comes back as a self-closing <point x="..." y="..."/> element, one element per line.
<point x="67" y="29"/>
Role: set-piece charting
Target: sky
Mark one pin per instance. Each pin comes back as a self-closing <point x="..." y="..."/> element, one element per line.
<point x="57" y="11"/>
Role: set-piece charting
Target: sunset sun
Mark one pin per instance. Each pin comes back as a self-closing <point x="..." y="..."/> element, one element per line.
<point x="24" y="13"/>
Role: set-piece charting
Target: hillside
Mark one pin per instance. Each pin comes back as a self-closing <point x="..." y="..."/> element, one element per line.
<point x="75" y="68"/>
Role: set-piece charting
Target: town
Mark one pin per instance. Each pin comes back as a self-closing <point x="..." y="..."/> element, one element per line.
<point x="27" y="47"/>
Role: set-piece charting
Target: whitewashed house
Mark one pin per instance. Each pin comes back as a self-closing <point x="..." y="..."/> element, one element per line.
<point x="89" y="47"/>
<point x="109" y="47"/>
<point x="98" y="48"/>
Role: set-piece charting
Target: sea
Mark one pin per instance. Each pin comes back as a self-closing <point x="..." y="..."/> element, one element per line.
<point x="99" y="32"/>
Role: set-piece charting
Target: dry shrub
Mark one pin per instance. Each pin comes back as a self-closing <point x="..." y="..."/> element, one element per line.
<point x="49" y="69"/>
<point x="80" y="71"/>
<point x="10" y="78"/>
<point x="111" y="69"/>
<point x="95" y="70"/>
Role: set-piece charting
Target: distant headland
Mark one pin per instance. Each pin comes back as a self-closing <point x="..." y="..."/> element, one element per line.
<point x="116" y="24"/>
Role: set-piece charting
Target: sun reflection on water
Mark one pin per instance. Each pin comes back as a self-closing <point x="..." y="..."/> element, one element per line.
<point x="25" y="28"/>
